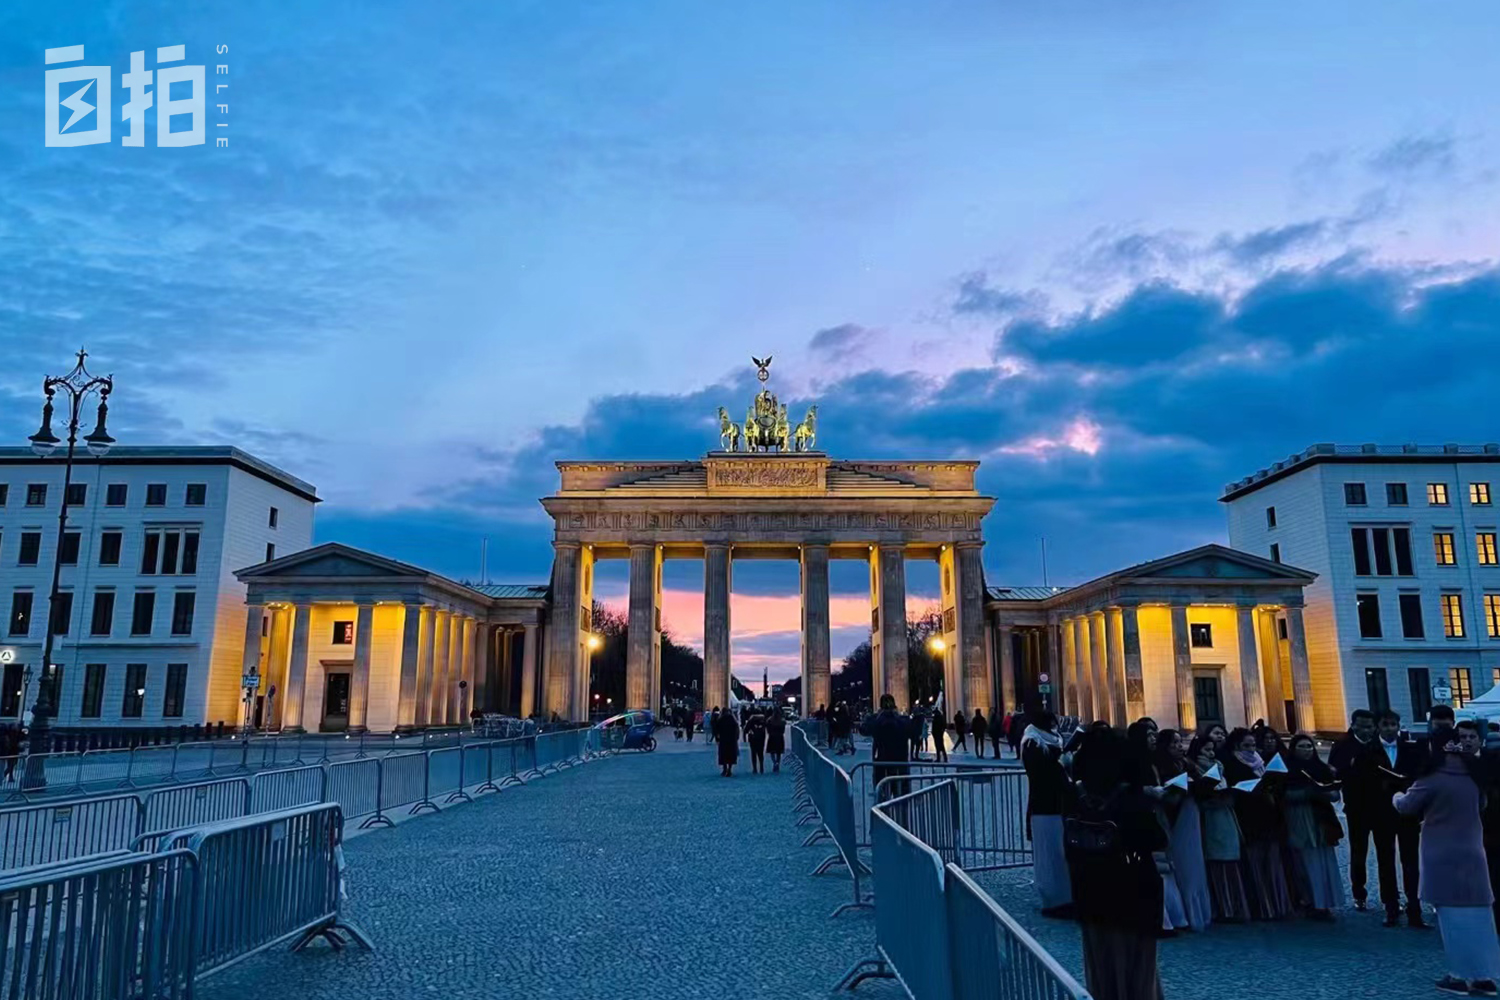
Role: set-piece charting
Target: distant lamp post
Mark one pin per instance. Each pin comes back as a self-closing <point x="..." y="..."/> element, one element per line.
<point x="463" y="701"/>
<point x="25" y="688"/>
<point x="77" y="386"/>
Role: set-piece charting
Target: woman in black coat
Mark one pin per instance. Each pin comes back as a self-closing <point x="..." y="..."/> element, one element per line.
<point x="979" y="727"/>
<point x="776" y="739"/>
<point x="729" y="743"/>
<point x="960" y="730"/>
<point x="755" y="736"/>
<point x="940" y="734"/>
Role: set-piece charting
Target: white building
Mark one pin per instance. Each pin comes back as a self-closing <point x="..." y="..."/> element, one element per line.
<point x="152" y="627"/>
<point x="1403" y="542"/>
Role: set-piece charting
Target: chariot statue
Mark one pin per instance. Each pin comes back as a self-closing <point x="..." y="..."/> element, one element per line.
<point x="767" y="427"/>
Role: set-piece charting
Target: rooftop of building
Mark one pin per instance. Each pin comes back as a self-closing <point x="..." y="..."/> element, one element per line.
<point x="174" y="455"/>
<point x="1360" y="453"/>
<point x="1022" y="593"/>
<point x="512" y="591"/>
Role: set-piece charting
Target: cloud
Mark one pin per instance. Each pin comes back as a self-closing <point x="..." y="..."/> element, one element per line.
<point x="845" y="342"/>
<point x="1412" y="156"/>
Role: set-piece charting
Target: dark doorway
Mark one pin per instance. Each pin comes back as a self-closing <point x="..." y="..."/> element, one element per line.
<point x="1207" y="698"/>
<point x="335" y="702"/>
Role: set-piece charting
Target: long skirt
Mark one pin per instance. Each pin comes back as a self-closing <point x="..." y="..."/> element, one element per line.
<point x="1120" y="964"/>
<point x="1050" y="862"/>
<point x="1173" y="915"/>
<point x="1265" y="877"/>
<point x="1186" y="852"/>
<point x="1469" y="941"/>
<point x="1227" y="889"/>
<point x="1319" y="878"/>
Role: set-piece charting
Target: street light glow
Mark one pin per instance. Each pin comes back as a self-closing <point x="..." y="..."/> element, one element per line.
<point x="936" y="644"/>
<point x="594" y="641"/>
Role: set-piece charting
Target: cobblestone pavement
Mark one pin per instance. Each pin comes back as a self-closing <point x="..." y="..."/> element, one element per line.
<point x="646" y="873"/>
<point x="1354" y="957"/>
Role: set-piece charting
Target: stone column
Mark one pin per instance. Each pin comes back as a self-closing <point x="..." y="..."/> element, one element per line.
<point x="1004" y="636"/>
<point x="411" y="655"/>
<point x="1255" y="702"/>
<point x="1296" y="633"/>
<point x="359" y="679"/>
<point x="437" y="713"/>
<point x="638" y="657"/>
<point x="973" y="663"/>
<point x="296" y="671"/>
<point x="1102" y="693"/>
<point x="1270" y="668"/>
<point x="426" y="661"/>
<point x="1088" y="698"/>
<point x="1060" y="701"/>
<point x="457" y="657"/>
<point x="1182" y="668"/>
<point x="893" y="627"/>
<point x="716" y="581"/>
<point x="1068" y="667"/>
<point x="254" y="615"/>
<point x="276" y="666"/>
<point x="472" y="658"/>
<point x="1114" y="673"/>
<point x="816" y="644"/>
<point x="1130" y="647"/>
<point x="528" y="670"/>
<point x="563" y="659"/>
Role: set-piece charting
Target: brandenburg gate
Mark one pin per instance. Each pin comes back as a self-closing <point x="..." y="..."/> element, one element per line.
<point x="767" y="494"/>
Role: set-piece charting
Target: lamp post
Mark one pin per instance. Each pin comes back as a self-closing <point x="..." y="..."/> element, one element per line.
<point x="77" y="386"/>
<point x="25" y="689"/>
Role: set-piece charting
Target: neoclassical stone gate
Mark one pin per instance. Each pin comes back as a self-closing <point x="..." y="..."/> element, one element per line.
<point x="798" y="505"/>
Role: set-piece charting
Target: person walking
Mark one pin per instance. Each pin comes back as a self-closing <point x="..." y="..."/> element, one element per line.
<point x="729" y="744"/>
<point x="755" y="736"/>
<point x="776" y="739"/>
<point x="1112" y="838"/>
<point x="1454" y="873"/>
<point x="1359" y="802"/>
<point x="1018" y="723"/>
<point x="914" y="731"/>
<point x="960" y="730"/>
<point x="1312" y="829"/>
<point x="889" y="733"/>
<point x="980" y="728"/>
<point x="997" y="730"/>
<point x="1049" y="795"/>
<point x="940" y="735"/>
<point x="711" y="726"/>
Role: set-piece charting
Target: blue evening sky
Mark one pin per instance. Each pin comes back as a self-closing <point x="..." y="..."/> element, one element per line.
<point x="1120" y="252"/>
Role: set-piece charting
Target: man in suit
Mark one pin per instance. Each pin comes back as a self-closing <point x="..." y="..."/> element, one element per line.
<point x="1389" y="765"/>
<point x="1359" y="803"/>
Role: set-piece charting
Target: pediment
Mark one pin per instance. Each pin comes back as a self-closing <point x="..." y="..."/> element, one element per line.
<point x="331" y="560"/>
<point x="1216" y="562"/>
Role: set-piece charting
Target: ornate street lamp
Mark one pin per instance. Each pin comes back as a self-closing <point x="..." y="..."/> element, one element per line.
<point x="77" y="386"/>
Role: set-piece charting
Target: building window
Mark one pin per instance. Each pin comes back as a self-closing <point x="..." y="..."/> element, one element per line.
<point x="274" y="515"/>
<point x="1270" y="517"/>
<point x="62" y="612"/>
<point x="1390" y="548"/>
<point x="103" y="619"/>
<point x="10" y="697"/>
<point x="1463" y="689"/>
<point x="1354" y="494"/>
<point x="115" y="495"/>
<point x="1479" y="494"/>
<point x="1419" y="686"/>
<point x="156" y="495"/>
<point x="4" y="493"/>
<point x="1453" y="616"/>
<point x="1484" y="544"/>
<point x="183" y="603"/>
<point x="1377" y="695"/>
<point x="76" y="495"/>
<point x="1437" y="494"/>
<point x="270" y="551"/>
<point x="1442" y="548"/>
<point x="1369" y="615"/>
<point x="170" y="552"/>
<point x="171" y="703"/>
<point x="1281" y="628"/>
<point x="1411" y="616"/>
<point x="1395" y="494"/>
<point x="20" y="612"/>
<point x="142" y="612"/>
<point x="135" y="691"/>
<point x="1275" y="552"/>
<point x="197" y="493"/>
<point x="31" y="548"/>
<point x="1201" y="636"/>
<point x="343" y="633"/>
<point x="68" y="554"/>
<point x="36" y="495"/>
<point x="109" y="548"/>
<point x="93" y="690"/>
<point x="1492" y="615"/>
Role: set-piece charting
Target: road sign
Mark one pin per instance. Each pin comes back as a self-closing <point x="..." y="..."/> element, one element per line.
<point x="250" y="680"/>
<point x="1044" y="688"/>
<point x="1043" y="678"/>
<point x="1442" y="692"/>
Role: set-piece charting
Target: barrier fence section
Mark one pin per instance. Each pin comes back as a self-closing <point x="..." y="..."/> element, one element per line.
<point x="937" y="932"/>
<point x="862" y="782"/>
<point x="826" y="786"/>
<point x="992" y="806"/>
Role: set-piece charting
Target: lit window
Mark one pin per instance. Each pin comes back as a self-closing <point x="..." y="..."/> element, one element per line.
<point x="343" y="633"/>
<point x="1442" y="548"/>
<point x="1437" y="494"/>
<point x="1458" y="680"/>
<point x="1492" y="615"/>
<point x="1201" y="636"/>
<point x="1453" y="616"/>
<point x="1484" y="543"/>
<point x="1479" y="494"/>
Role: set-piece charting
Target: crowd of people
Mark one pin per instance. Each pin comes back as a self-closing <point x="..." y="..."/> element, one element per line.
<point x="762" y="729"/>
<point x="1151" y="832"/>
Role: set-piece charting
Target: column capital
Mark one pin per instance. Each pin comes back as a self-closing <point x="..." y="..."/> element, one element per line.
<point x="884" y="547"/>
<point x="363" y="602"/>
<point x="1133" y="603"/>
<point x="715" y="545"/>
<point x="1004" y="627"/>
<point x="415" y="602"/>
<point x="1293" y="605"/>
<point x="1246" y="603"/>
<point x="971" y="543"/>
<point x="1179" y="603"/>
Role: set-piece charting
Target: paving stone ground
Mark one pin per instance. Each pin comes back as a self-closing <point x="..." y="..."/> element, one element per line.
<point x="641" y="874"/>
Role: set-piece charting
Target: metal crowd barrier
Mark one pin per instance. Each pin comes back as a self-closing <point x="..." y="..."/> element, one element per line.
<point x="826" y="786"/>
<point x="937" y="932"/>
<point x="992" y="805"/>
<point x="862" y="784"/>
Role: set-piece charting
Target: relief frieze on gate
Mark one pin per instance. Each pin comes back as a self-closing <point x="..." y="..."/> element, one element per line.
<point x="683" y="523"/>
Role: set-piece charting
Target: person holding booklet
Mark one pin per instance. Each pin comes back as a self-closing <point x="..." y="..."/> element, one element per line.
<point x="1184" y="828"/>
<point x="1313" y="830"/>
<point x="1221" y="832"/>
<point x="1258" y="809"/>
